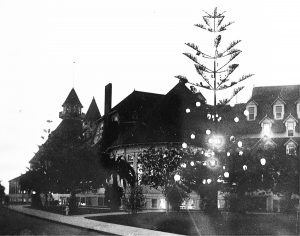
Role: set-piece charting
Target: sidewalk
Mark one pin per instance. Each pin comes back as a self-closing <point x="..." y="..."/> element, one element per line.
<point x="82" y="222"/>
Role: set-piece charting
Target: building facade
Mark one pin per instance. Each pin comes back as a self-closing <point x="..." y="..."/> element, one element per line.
<point x="143" y="120"/>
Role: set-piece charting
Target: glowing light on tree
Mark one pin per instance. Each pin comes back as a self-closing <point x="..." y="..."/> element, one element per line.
<point x="263" y="161"/>
<point x="240" y="144"/>
<point x="177" y="177"/>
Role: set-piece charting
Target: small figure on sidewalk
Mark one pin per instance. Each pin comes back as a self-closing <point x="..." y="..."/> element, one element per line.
<point x="67" y="209"/>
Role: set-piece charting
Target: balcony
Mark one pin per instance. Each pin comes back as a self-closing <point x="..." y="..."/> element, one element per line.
<point x="67" y="115"/>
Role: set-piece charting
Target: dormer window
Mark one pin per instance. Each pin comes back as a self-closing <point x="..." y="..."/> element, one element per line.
<point x="298" y="110"/>
<point x="252" y="110"/>
<point x="290" y="123"/>
<point x="266" y="129"/>
<point x="290" y="128"/>
<point x="291" y="147"/>
<point x="278" y="112"/>
<point x="278" y="109"/>
<point x="266" y="124"/>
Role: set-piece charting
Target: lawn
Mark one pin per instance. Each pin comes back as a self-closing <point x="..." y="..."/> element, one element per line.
<point x="198" y="223"/>
<point x="79" y="211"/>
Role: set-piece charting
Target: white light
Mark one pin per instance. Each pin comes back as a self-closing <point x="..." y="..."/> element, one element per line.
<point x="208" y="132"/>
<point x="184" y="145"/>
<point x="226" y="174"/>
<point x="210" y="141"/>
<point x="224" y="167"/>
<point x="241" y="153"/>
<point x="217" y="115"/>
<point x="33" y="192"/>
<point x="263" y="161"/>
<point x="219" y="180"/>
<point x="240" y="144"/>
<point x="219" y="119"/>
<point x="208" y="181"/>
<point x="164" y="156"/>
<point x="198" y="104"/>
<point x="228" y="154"/>
<point x="212" y="162"/>
<point x="246" y="113"/>
<point x="192" y="163"/>
<point x="183" y="165"/>
<point x="236" y="119"/>
<point x="208" y="116"/>
<point x="188" y="110"/>
<point x="204" y="181"/>
<point x="244" y="167"/>
<point x="232" y="139"/>
<point x="193" y="136"/>
<point x="176" y="177"/>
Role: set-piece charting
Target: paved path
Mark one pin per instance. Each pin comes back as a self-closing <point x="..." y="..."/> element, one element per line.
<point x="81" y="221"/>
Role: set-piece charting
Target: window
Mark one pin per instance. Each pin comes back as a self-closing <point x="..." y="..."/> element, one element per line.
<point x="266" y="129"/>
<point x="154" y="203"/>
<point x="251" y="111"/>
<point x="130" y="158"/>
<point x="290" y="128"/>
<point x="278" y="112"/>
<point x="298" y="110"/>
<point x="291" y="148"/>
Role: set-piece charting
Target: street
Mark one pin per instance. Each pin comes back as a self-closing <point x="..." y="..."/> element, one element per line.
<point x="13" y="223"/>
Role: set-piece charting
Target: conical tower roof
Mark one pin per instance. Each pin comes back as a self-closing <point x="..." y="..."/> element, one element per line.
<point x="93" y="112"/>
<point x="72" y="99"/>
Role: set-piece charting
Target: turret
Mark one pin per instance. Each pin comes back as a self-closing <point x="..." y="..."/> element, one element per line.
<point x="72" y="107"/>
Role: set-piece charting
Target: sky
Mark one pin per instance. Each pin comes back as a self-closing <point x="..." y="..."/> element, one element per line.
<point x="48" y="47"/>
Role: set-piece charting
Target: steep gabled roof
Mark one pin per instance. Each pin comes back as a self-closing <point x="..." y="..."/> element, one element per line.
<point x="137" y="102"/>
<point x="290" y="116"/>
<point x="93" y="112"/>
<point x="270" y="93"/>
<point x="289" y="141"/>
<point x="72" y="99"/>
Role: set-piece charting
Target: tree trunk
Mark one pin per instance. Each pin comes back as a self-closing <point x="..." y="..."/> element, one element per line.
<point x="167" y="205"/>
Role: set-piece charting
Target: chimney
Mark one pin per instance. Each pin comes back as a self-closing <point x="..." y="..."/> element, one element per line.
<point x="107" y="101"/>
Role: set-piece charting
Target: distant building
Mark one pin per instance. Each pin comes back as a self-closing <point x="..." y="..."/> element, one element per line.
<point x="15" y="193"/>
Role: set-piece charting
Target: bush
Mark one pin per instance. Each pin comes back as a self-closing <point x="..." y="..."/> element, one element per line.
<point x="134" y="200"/>
<point x="176" y="197"/>
<point x="73" y="203"/>
<point x="36" y="200"/>
<point x="113" y="195"/>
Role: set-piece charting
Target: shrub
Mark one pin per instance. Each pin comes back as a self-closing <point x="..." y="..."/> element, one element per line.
<point x="113" y="195"/>
<point x="134" y="200"/>
<point x="176" y="197"/>
<point x="73" y="203"/>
